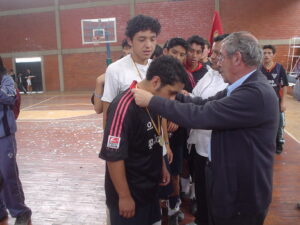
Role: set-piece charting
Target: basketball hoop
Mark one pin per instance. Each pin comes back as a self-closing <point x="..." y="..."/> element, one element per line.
<point x="96" y="40"/>
<point x="95" y="31"/>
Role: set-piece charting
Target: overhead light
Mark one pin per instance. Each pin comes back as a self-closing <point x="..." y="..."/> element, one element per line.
<point x="32" y="59"/>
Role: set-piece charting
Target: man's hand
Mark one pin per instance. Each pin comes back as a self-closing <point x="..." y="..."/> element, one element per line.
<point x="184" y="92"/>
<point x="172" y="127"/>
<point x="126" y="207"/>
<point x="142" y="97"/>
<point x="165" y="175"/>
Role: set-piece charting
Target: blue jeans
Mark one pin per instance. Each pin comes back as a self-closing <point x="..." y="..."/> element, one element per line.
<point x="11" y="195"/>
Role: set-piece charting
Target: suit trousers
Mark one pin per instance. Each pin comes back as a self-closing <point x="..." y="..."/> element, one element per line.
<point x="238" y="219"/>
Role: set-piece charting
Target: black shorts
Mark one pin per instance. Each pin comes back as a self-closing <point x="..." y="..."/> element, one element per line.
<point x="178" y="147"/>
<point x="146" y="215"/>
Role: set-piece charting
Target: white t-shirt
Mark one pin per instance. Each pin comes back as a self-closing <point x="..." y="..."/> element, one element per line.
<point x="211" y="83"/>
<point x="120" y="75"/>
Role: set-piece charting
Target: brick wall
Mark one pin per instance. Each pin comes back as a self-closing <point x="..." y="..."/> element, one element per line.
<point x="30" y="32"/>
<point x="81" y="70"/>
<point x="51" y="72"/>
<point x="268" y="20"/>
<point x="7" y="62"/>
<point x="23" y="4"/>
<point x="71" y="23"/>
<point x="180" y="18"/>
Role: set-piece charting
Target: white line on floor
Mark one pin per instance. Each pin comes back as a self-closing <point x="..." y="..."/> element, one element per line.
<point x="292" y="136"/>
<point x="48" y="99"/>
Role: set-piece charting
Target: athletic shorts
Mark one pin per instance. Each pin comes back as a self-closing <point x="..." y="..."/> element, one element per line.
<point x="144" y="215"/>
<point x="178" y="147"/>
<point x="28" y="82"/>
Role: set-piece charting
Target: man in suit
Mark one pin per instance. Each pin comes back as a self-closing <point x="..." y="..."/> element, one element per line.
<point x="244" y="122"/>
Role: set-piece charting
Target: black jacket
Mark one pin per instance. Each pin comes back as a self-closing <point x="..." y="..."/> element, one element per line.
<point x="243" y="141"/>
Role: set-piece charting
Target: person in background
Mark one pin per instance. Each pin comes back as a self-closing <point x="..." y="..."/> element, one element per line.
<point x="193" y="60"/>
<point x="97" y="95"/>
<point x="276" y="75"/>
<point x="142" y="32"/>
<point x="157" y="52"/>
<point x="11" y="193"/>
<point x="28" y="76"/>
<point x="20" y="83"/>
<point x="205" y="59"/>
<point x="126" y="48"/>
<point x="177" y="48"/>
<point x="199" y="140"/>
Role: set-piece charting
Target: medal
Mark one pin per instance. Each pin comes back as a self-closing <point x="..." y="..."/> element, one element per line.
<point x="157" y="128"/>
<point x="161" y="141"/>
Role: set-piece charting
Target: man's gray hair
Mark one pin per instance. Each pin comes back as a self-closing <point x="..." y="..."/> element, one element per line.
<point x="246" y="44"/>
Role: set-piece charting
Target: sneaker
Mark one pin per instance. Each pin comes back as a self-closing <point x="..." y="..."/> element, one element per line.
<point x="24" y="219"/>
<point x="180" y="216"/>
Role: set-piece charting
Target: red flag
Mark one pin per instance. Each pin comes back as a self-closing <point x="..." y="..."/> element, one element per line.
<point x="216" y="27"/>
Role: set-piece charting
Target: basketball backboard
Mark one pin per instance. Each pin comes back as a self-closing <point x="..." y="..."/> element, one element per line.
<point x="95" y="31"/>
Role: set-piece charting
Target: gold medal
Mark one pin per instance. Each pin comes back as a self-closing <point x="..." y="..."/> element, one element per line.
<point x="157" y="128"/>
<point x="161" y="141"/>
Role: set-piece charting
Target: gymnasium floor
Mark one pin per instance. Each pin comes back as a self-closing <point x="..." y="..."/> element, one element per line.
<point x="59" y="138"/>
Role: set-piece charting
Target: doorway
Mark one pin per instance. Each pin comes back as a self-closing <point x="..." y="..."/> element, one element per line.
<point x="34" y="64"/>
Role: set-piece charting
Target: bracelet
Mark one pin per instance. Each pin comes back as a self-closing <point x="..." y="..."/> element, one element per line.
<point x="167" y="143"/>
<point x="97" y="96"/>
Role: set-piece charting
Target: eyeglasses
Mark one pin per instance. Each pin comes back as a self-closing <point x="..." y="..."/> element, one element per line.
<point x="220" y="58"/>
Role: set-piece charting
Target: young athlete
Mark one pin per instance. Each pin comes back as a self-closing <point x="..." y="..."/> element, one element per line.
<point x="177" y="48"/>
<point x="277" y="77"/>
<point x="206" y="62"/>
<point x="132" y="148"/>
<point x="193" y="64"/>
<point x="141" y="32"/>
<point x="199" y="140"/>
<point x="126" y="48"/>
<point x="98" y="93"/>
<point x="194" y="55"/>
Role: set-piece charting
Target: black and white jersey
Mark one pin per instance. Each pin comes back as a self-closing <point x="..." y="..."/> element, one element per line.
<point x="130" y="136"/>
<point x="276" y="76"/>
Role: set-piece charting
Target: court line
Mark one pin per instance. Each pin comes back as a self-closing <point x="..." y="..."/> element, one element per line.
<point x="48" y="99"/>
<point x="292" y="136"/>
